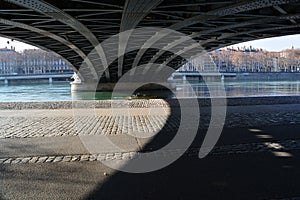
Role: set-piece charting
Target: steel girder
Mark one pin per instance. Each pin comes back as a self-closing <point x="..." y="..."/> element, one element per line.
<point x="74" y="28"/>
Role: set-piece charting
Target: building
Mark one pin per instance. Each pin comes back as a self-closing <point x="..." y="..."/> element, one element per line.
<point x="9" y="61"/>
<point x="32" y="61"/>
<point x="256" y="60"/>
<point x="36" y="61"/>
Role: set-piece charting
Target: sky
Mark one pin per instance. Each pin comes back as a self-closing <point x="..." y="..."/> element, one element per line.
<point x="18" y="45"/>
<point x="274" y="44"/>
<point x="270" y="44"/>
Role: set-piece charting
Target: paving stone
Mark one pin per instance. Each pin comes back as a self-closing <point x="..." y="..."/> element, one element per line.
<point x="16" y="161"/>
<point x="117" y="156"/>
<point x="42" y="159"/>
<point x="50" y="159"/>
<point x="84" y="158"/>
<point x="67" y="159"/>
<point x="58" y="124"/>
<point x="126" y="156"/>
<point x="75" y="158"/>
<point x="63" y="125"/>
<point x="93" y="158"/>
<point x="8" y="161"/>
<point x="58" y="159"/>
<point x="192" y="152"/>
<point x="33" y="160"/>
<point x="101" y="157"/>
<point x="25" y="160"/>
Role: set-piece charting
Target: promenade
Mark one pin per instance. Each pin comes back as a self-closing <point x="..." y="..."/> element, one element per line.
<point x="42" y="154"/>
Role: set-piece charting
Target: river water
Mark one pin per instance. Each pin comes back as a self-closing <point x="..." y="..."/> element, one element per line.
<point x="62" y="91"/>
<point x="35" y="92"/>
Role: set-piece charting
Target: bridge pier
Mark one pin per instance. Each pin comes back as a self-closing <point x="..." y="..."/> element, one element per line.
<point x="109" y="87"/>
<point x="50" y="80"/>
<point x="5" y="82"/>
<point x="89" y="87"/>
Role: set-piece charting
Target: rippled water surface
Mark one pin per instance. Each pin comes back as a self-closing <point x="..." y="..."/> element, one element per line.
<point x="62" y="91"/>
<point x="35" y="92"/>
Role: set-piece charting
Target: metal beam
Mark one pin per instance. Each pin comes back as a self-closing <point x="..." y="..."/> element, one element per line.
<point x="47" y="34"/>
<point x="59" y="15"/>
<point x="222" y="28"/>
<point x="39" y="46"/>
<point x="134" y="12"/>
<point x="214" y="14"/>
<point x="227" y="36"/>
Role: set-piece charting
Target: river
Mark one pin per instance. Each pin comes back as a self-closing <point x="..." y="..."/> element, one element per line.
<point x="62" y="91"/>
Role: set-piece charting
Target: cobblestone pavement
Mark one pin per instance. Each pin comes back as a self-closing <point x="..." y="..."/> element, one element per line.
<point x="55" y="123"/>
<point x="146" y="103"/>
<point x="139" y="103"/>
<point x="18" y="127"/>
<point x="50" y="123"/>
<point x="280" y="149"/>
<point x="24" y="124"/>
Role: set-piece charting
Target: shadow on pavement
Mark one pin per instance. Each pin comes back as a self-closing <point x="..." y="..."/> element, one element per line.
<point x="238" y="176"/>
<point x="262" y="175"/>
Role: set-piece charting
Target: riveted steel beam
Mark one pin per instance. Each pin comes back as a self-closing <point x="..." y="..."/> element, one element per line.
<point x="41" y="47"/>
<point x="59" y="15"/>
<point x="215" y="23"/>
<point x="214" y="30"/>
<point x="134" y="12"/>
<point x="228" y="36"/>
<point x="211" y="15"/>
<point x="47" y="34"/>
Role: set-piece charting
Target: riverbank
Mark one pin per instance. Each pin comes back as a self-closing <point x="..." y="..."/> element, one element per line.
<point x="146" y="103"/>
<point x="266" y="76"/>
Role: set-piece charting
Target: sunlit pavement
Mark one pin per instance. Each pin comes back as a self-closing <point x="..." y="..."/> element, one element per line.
<point x="255" y="162"/>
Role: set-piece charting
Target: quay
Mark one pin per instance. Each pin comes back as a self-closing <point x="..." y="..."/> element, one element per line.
<point x="259" y="145"/>
<point x="6" y="79"/>
<point x="238" y="76"/>
<point x="43" y="149"/>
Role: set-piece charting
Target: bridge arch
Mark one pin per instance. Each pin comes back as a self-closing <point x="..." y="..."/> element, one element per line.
<point x="73" y="29"/>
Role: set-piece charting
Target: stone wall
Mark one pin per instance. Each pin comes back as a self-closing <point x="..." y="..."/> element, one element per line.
<point x="266" y="76"/>
<point x="145" y="103"/>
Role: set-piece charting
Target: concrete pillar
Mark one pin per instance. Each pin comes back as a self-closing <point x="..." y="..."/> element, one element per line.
<point x="50" y="80"/>
<point x="108" y="87"/>
<point x="84" y="87"/>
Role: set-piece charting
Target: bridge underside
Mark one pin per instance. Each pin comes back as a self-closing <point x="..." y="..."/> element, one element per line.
<point x="74" y="28"/>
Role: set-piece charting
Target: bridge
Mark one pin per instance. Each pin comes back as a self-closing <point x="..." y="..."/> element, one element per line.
<point x="74" y="28"/>
<point x="195" y="73"/>
<point x="49" y="153"/>
<point x="50" y="77"/>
